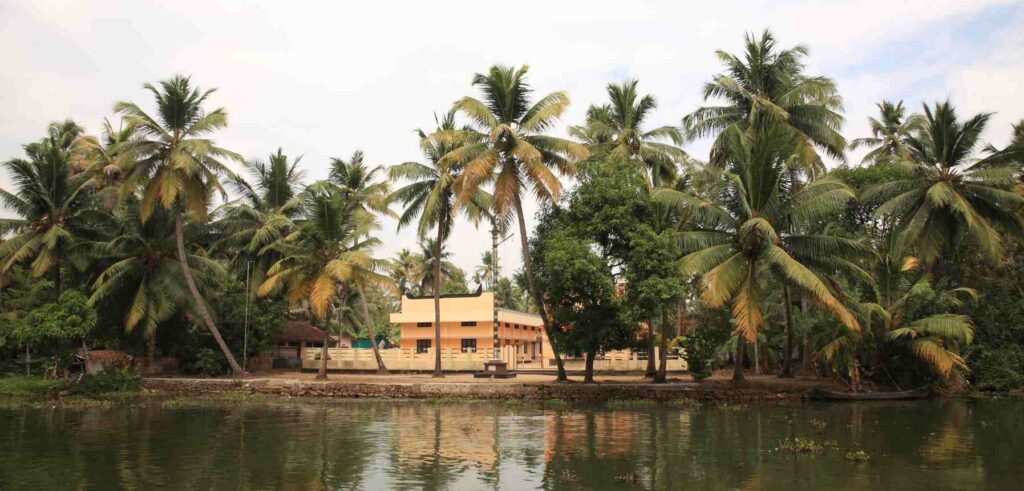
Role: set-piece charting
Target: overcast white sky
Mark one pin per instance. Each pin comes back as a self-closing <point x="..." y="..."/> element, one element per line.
<point x="323" y="80"/>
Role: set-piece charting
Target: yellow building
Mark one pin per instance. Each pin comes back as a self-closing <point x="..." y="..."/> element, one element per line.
<point x="467" y="322"/>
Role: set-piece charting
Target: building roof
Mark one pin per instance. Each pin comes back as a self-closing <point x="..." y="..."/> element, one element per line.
<point x="301" y="331"/>
<point x="478" y="307"/>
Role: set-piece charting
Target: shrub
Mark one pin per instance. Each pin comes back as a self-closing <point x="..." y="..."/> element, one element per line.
<point x="107" y="381"/>
<point x="208" y="362"/>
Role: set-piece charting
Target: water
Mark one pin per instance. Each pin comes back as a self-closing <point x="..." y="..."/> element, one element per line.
<point x="927" y="445"/>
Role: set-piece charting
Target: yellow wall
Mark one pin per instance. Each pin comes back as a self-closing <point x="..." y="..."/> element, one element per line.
<point x="479" y="309"/>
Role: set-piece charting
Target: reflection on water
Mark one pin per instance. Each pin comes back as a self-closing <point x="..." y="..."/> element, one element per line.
<point x="955" y="444"/>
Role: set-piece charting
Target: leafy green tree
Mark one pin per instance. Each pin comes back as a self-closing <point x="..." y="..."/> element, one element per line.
<point x="430" y="198"/>
<point x="177" y="167"/>
<point x="54" y="207"/>
<point x="946" y="196"/>
<point x="890" y="134"/>
<point x="581" y="292"/>
<point x="508" y="147"/>
<point x="768" y="86"/>
<point x="60" y="327"/>
<point x="746" y="236"/>
<point x="615" y="130"/>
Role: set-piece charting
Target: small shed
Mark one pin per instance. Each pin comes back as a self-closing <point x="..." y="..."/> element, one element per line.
<point x="299" y="336"/>
<point x="97" y="361"/>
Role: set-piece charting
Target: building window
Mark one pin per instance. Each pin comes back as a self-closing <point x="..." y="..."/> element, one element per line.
<point x="469" y="346"/>
<point x="422" y="345"/>
<point x="424" y="324"/>
<point x="468" y="323"/>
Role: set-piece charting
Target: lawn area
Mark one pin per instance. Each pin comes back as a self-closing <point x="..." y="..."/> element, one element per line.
<point x="18" y="386"/>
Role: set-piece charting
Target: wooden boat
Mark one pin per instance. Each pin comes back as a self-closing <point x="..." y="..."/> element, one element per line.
<point x="830" y="395"/>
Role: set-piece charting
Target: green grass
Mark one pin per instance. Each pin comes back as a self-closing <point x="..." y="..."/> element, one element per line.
<point x="28" y="386"/>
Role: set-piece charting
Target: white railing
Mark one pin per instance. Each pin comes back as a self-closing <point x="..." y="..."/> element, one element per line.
<point x="407" y="358"/>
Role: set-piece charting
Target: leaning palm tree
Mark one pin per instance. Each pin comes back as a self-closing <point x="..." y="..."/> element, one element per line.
<point x="430" y="199"/>
<point x="321" y="261"/>
<point x="54" y="206"/>
<point x="946" y="195"/>
<point x="144" y="269"/>
<point x="262" y="215"/>
<point x="177" y="167"/>
<point x="741" y="239"/>
<point x="768" y="86"/>
<point x="509" y="148"/>
<point x="890" y="134"/>
<point x="617" y="130"/>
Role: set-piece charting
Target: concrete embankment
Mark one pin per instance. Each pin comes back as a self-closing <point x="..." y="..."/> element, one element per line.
<point x="528" y="391"/>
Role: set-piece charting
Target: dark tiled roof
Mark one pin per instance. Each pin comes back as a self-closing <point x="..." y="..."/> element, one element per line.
<point x="301" y="331"/>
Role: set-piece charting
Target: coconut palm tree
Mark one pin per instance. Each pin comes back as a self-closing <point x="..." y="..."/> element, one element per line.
<point x="177" y="167"/>
<point x="361" y="183"/>
<point x="892" y="318"/>
<point x="745" y="236"/>
<point x="508" y="147"/>
<point x="406" y="272"/>
<point x="484" y="272"/>
<point x="54" y="206"/>
<point x="946" y="195"/>
<point x="430" y="199"/>
<point x="889" y="134"/>
<point x="262" y="215"/>
<point x="324" y="258"/>
<point x="106" y="162"/>
<point x="617" y="130"/>
<point x="768" y="86"/>
<point x="143" y="268"/>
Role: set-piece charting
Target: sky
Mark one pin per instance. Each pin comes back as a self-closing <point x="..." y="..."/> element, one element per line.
<point x="323" y="79"/>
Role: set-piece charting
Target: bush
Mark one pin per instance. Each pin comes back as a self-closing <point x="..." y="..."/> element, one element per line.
<point x="700" y="347"/>
<point x="107" y="381"/>
<point x="208" y="362"/>
<point x="997" y="369"/>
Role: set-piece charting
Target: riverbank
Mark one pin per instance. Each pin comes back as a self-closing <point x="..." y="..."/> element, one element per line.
<point x="525" y="387"/>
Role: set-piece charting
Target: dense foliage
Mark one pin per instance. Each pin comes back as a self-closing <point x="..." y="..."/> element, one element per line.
<point x="900" y="271"/>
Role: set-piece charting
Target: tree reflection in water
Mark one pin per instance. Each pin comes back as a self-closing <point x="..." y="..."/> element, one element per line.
<point x="313" y="444"/>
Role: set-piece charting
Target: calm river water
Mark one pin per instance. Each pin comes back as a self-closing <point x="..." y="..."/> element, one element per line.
<point x="931" y="445"/>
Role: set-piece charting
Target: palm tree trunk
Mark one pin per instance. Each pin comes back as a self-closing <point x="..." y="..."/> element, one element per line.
<point x="437" y="301"/>
<point x="204" y="315"/>
<point x="58" y="281"/>
<point x="737" y="373"/>
<point x="321" y="373"/>
<point x="666" y="330"/>
<point x="649" y="373"/>
<point x="369" y="330"/>
<point x="807" y="359"/>
<point x="151" y="347"/>
<point x="537" y="297"/>
<point x="787" y="357"/>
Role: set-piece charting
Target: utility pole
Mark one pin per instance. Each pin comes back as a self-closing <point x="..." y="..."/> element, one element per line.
<point x="245" y="335"/>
